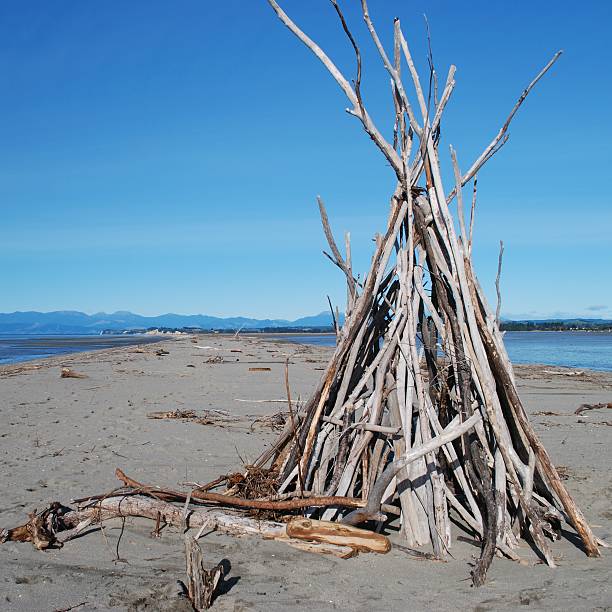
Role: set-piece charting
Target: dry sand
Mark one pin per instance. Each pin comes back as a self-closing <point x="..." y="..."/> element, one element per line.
<point x="62" y="438"/>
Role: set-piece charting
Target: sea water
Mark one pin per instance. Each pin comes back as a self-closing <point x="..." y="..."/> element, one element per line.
<point x="572" y="349"/>
<point x="14" y="349"/>
<point x="589" y="350"/>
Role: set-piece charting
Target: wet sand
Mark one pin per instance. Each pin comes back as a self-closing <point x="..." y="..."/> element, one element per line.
<point x="63" y="438"/>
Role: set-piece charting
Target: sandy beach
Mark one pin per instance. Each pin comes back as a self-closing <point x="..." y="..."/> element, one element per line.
<point x="62" y="438"/>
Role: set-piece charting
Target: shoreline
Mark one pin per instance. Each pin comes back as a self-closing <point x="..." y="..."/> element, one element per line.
<point x="254" y="337"/>
<point x="142" y="341"/>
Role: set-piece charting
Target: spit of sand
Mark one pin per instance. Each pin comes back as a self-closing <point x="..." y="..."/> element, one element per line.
<point x="62" y="438"/>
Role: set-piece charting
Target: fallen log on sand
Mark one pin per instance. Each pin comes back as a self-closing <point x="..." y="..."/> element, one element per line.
<point x="44" y="530"/>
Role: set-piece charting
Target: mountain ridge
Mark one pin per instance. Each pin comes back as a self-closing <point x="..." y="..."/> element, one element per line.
<point x="61" y="322"/>
<point x="76" y="322"/>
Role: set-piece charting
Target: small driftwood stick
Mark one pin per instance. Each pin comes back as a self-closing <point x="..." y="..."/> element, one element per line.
<point x="68" y="373"/>
<point x="472" y="216"/>
<point x="173" y="414"/>
<point x="585" y="407"/>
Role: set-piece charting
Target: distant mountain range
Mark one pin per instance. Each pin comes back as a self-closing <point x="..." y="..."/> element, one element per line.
<point x="73" y="322"/>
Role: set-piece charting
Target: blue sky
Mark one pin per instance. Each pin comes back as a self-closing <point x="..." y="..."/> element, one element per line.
<point x="160" y="156"/>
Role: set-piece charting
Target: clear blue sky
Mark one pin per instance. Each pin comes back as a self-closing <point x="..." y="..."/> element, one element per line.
<point x="165" y="156"/>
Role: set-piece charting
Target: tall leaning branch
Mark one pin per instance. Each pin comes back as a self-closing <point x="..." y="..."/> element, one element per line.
<point x="497" y="282"/>
<point x="357" y="110"/>
<point x="494" y="145"/>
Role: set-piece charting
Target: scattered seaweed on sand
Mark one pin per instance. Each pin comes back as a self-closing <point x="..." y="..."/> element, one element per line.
<point x="586" y="407"/>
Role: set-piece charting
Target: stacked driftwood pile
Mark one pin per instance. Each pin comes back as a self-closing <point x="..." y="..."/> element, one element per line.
<point x="418" y="407"/>
<point x="417" y="419"/>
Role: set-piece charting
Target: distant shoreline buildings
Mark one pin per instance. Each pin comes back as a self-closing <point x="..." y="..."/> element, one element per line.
<point x="577" y="325"/>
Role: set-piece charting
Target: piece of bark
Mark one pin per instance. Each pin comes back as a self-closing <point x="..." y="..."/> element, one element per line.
<point x="339" y="534"/>
<point x="68" y="373"/>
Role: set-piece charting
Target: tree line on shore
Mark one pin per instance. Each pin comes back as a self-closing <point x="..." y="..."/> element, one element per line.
<point x="598" y="325"/>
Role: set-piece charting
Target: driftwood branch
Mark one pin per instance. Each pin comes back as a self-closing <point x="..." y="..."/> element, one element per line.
<point x="472" y="215"/>
<point x="238" y="502"/>
<point x="499" y="138"/>
<point x="312" y="537"/>
<point x="497" y="281"/>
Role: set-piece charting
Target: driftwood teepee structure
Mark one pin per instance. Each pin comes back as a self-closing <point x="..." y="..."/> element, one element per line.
<point x="418" y="412"/>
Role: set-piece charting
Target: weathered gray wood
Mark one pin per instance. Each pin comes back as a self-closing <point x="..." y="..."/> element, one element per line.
<point x="421" y="285"/>
<point x="494" y="144"/>
<point x="201" y="583"/>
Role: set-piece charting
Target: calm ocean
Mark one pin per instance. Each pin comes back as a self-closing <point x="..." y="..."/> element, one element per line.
<point x="14" y="349"/>
<point x="592" y="350"/>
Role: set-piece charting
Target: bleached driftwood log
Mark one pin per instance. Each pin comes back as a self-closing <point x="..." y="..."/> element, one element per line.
<point x="58" y="524"/>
